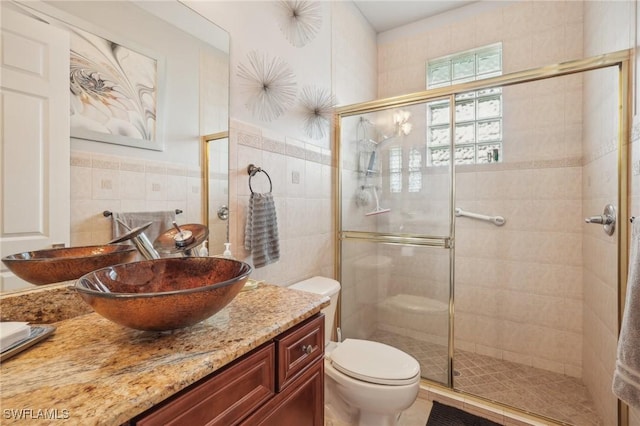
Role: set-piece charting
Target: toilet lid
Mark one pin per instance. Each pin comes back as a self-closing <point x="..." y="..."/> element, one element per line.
<point x="374" y="362"/>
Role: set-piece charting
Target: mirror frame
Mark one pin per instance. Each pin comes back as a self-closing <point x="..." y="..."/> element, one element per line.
<point x="206" y="157"/>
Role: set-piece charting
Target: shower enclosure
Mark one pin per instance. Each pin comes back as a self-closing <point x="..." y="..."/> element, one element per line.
<point x="462" y="236"/>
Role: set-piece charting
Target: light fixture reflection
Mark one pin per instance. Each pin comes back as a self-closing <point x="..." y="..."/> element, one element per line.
<point x="401" y="121"/>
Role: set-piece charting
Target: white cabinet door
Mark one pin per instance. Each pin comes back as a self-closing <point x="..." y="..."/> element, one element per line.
<point x="34" y="126"/>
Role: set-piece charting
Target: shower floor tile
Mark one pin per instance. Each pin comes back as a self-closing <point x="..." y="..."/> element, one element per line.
<point x="553" y="395"/>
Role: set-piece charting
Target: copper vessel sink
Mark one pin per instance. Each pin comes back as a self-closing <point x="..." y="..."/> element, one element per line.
<point x="68" y="263"/>
<point x="163" y="294"/>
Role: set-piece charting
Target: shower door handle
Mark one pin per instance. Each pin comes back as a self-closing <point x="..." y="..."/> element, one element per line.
<point x="607" y="219"/>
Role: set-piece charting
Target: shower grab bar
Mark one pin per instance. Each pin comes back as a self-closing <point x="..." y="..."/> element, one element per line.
<point x="496" y="220"/>
<point x="401" y="239"/>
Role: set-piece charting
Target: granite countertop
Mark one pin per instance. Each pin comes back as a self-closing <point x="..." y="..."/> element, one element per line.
<point x="93" y="371"/>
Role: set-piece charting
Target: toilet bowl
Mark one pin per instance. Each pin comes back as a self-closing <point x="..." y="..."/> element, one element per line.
<point x="366" y="382"/>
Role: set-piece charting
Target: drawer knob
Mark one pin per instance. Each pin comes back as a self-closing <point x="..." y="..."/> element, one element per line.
<point x="307" y="349"/>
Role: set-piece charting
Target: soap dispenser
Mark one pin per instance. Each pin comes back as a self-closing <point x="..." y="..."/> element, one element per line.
<point x="227" y="251"/>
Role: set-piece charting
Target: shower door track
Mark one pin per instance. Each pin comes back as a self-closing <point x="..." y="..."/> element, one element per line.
<point x="620" y="59"/>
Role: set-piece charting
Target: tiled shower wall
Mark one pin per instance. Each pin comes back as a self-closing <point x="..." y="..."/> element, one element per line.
<point x="533" y="34"/>
<point x="599" y="251"/>
<point x="606" y="29"/>
<point x="518" y="287"/>
<point x="528" y="303"/>
<point x="634" y="207"/>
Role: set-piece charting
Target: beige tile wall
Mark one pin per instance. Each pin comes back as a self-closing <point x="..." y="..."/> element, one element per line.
<point x="606" y="28"/>
<point x="533" y="33"/>
<point x="120" y="184"/>
<point x="600" y="288"/>
<point x="301" y="176"/>
<point x="527" y="271"/>
<point x="302" y="184"/>
<point x="520" y="283"/>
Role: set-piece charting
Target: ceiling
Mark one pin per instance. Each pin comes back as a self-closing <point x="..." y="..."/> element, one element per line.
<point x="385" y="15"/>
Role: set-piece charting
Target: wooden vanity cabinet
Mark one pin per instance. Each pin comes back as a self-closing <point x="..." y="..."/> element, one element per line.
<point x="280" y="383"/>
<point x="221" y="399"/>
<point x="301" y="404"/>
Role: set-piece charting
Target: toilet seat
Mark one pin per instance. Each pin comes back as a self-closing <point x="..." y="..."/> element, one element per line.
<point x="375" y="362"/>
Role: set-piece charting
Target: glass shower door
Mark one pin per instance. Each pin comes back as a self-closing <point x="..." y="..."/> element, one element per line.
<point x="535" y="300"/>
<point x="395" y="236"/>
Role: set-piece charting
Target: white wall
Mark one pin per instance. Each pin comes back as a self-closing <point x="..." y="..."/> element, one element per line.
<point x="355" y="55"/>
<point x="255" y="26"/>
<point x="116" y="178"/>
<point x="340" y="59"/>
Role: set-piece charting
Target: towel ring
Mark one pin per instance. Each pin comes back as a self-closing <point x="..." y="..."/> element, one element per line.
<point x="252" y="169"/>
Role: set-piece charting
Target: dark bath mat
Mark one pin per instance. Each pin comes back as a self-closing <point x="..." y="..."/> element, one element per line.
<point x="444" y="415"/>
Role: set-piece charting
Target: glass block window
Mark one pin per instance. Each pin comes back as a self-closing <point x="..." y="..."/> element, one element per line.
<point x="478" y="114"/>
<point x="415" y="170"/>
<point x="395" y="169"/>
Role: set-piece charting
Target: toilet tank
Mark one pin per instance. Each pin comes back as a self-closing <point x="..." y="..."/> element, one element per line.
<point x="325" y="287"/>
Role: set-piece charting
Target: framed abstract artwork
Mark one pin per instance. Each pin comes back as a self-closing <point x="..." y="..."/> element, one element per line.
<point x="114" y="92"/>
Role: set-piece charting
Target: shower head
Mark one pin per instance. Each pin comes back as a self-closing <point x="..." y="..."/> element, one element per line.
<point x="385" y="139"/>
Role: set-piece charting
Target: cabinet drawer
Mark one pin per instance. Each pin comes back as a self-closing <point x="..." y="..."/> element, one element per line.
<point x="224" y="399"/>
<point x="297" y="349"/>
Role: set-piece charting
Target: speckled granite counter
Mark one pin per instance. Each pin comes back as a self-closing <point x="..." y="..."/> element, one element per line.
<point x="43" y="305"/>
<point x="92" y="371"/>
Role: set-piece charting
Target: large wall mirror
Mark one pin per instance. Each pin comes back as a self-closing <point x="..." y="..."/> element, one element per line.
<point x="96" y="172"/>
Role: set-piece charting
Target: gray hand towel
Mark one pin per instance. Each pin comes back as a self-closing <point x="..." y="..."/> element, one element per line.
<point x="161" y="221"/>
<point x="261" y="231"/>
<point x="626" y="377"/>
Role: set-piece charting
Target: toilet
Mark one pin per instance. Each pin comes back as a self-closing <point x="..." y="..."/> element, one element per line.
<point x="366" y="383"/>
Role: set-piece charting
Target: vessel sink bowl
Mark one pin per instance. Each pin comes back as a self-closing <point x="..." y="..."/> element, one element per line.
<point x="68" y="263"/>
<point x="163" y="294"/>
